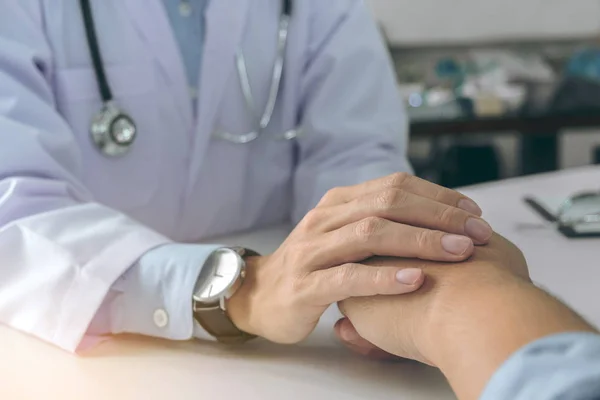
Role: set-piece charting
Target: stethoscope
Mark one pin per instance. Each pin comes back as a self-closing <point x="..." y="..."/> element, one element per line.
<point x="113" y="131"/>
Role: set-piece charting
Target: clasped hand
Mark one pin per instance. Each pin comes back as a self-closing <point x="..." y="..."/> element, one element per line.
<point x="321" y="262"/>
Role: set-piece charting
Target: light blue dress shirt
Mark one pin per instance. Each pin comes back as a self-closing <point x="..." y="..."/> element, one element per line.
<point x="188" y="29"/>
<point x="154" y="297"/>
<point x="560" y="367"/>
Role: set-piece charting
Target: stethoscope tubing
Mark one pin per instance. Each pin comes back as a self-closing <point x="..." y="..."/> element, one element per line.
<point x="107" y="117"/>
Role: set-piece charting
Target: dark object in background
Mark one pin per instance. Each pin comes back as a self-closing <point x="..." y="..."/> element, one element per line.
<point x="573" y="95"/>
<point x="596" y="155"/>
<point x="463" y="165"/>
<point x="539" y="152"/>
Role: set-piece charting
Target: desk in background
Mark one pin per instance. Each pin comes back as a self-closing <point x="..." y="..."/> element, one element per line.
<point x="319" y="369"/>
<point x="548" y="110"/>
<point x="539" y="134"/>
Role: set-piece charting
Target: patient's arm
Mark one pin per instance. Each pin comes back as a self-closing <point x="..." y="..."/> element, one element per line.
<point x="467" y="319"/>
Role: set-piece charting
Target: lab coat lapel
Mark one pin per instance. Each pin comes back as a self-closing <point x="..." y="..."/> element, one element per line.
<point x="151" y="21"/>
<point x="225" y="25"/>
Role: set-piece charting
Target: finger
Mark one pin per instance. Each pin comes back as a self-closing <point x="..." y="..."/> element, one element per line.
<point x="335" y="284"/>
<point x="349" y="337"/>
<point x="404" y="181"/>
<point x="399" y="205"/>
<point x="379" y="237"/>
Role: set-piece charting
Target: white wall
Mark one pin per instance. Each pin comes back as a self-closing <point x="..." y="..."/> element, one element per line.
<point x="414" y="21"/>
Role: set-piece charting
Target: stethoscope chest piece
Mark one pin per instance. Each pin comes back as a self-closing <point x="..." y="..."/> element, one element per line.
<point x="113" y="132"/>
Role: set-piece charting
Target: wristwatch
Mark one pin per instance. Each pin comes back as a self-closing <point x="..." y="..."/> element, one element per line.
<point x="222" y="275"/>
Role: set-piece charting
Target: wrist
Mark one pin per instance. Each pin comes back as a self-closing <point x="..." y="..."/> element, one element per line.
<point x="457" y="299"/>
<point x="467" y="314"/>
<point x="484" y="322"/>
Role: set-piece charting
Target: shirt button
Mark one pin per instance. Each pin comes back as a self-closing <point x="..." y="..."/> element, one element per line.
<point x="185" y="8"/>
<point x="161" y="318"/>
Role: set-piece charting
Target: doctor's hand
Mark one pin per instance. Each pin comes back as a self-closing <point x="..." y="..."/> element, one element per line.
<point x="285" y="294"/>
<point x="412" y="326"/>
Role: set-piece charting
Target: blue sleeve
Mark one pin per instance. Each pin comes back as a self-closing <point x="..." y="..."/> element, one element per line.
<point x="154" y="297"/>
<point x="565" y="366"/>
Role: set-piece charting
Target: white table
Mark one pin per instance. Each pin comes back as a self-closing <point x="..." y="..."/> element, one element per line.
<point x="133" y="368"/>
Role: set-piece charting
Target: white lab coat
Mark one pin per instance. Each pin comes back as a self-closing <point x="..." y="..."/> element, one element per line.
<point x="72" y="221"/>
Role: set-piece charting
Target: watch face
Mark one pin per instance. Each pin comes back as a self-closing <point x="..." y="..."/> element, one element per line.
<point x="219" y="274"/>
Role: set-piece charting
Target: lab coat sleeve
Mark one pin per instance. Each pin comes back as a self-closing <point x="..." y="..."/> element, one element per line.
<point x="565" y="366"/>
<point x="154" y="297"/>
<point x="60" y="251"/>
<point x="354" y="127"/>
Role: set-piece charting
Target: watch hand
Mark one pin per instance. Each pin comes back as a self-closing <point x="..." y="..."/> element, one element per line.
<point x="218" y="275"/>
<point x="210" y="290"/>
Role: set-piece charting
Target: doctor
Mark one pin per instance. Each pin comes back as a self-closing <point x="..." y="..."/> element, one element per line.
<point x="130" y="128"/>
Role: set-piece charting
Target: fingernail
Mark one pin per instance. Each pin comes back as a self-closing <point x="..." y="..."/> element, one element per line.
<point x="409" y="276"/>
<point x="455" y="244"/>
<point x="478" y="229"/>
<point x="470" y="206"/>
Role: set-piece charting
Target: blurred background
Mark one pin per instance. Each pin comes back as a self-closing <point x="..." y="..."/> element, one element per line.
<point x="496" y="88"/>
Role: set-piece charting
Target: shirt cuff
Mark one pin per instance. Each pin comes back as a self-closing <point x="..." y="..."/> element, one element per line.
<point x="154" y="297"/>
<point x="565" y="366"/>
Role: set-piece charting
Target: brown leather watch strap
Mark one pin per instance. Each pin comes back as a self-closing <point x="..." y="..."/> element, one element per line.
<point x="215" y="320"/>
<point x="218" y="324"/>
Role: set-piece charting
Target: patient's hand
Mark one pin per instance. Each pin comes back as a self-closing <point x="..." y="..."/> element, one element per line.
<point x="407" y="326"/>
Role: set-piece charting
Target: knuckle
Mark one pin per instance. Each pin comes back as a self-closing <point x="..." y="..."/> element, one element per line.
<point x="389" y="198"/>
<point x="368" y="227"/>
<point x="447" y="196"/>
<point x="312" y="219"/>
<point x="377" y="277"/>
<point x="446" y="215"/>
<point x="398" y="179"/>
<point x="385" y="199"/>
<point x="331" y="195"/>
<point x="440" y="195"/>
<point x="345" y="274"/>
<point x="424" y="239"/>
